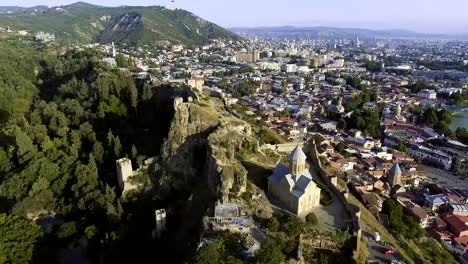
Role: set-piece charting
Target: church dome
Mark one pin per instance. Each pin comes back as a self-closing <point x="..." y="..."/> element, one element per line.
<point x="395" y="170"/>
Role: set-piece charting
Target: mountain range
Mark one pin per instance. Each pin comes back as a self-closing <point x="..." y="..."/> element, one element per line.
<point x="20" y="9"/>
<point x="86" y="23"/>
<point x="334" y="32"/>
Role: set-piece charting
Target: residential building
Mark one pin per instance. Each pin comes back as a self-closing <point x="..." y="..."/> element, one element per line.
<point x="252" y="56"/>
<point x="430" y="156"/>
<point x="434" y="202"/>
<point x="456" y="226"/>
<point x="427" y="94"/>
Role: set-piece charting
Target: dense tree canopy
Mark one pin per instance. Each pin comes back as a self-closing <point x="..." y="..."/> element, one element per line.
<point x="400" y="221"/>
<point x="65" y="119"/>
<point x="440" y="119"/>
<point x="18" y="238"/>
<point x="462" y="135"/>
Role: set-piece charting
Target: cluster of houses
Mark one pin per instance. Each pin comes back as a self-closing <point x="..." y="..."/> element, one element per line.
<point x="298" y="86"/>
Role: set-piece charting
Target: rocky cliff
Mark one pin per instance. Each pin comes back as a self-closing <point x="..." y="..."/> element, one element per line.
<point x="205" y="144"/>
<point x="199" y="165"/>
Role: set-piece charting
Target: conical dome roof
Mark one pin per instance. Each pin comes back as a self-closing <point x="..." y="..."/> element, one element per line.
<point x="297" y="155"/>
<point x="395" y="170"/>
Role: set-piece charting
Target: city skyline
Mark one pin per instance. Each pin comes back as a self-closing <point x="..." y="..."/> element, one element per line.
<point x="421" y="16"/>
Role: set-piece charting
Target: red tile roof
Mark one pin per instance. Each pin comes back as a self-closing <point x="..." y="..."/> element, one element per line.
<point x="455" y="223"/>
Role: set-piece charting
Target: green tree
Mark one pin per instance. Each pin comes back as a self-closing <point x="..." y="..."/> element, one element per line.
<point x="117" y="147"/>
<point x="233" y="260"/>
<point x="18" y="238"/>
<point x="133" y="94"/>
<point x="444" y="115"/>
<point x="430" y="116"/>
<point x="273" y="224"/>
<point x="462" y="135"/>
<point x="418" y="86"/>
<point x="311" y="219"/>
<point x="210" y="254"/>
<point x="98" y="152"/>
<point x="269" y="253"/>
<point x="67" y="230"/>
<point x="147" y="93"/>
<point x="134" y="152"/>
<point x="402" y="147"/>
<point x="86" y="189"/>
<point x="26" y="149"/>
<point x="341" y="124"/>
<point x="293" y="227"/>
<point x="443" y="128"/>
<point x="122" y="61"/>
<point x="234" y="243"/>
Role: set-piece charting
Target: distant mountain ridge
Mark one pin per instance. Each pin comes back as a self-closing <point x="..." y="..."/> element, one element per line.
<point x="19" y="9"/>
<point x="134" y="25"/>
<point x="337" y="32"/>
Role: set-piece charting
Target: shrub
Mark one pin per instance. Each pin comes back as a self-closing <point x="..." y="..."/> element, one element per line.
<point x="273" y="225"/>
<point x="311" y="219"/>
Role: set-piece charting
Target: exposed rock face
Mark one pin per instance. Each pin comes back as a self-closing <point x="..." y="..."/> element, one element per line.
<point x="225" y="147"/>
<point x="200" y="164"/>
<point x="184" y="151"/>
<point x="121" y="28"/>
<point x="204" y="145"/>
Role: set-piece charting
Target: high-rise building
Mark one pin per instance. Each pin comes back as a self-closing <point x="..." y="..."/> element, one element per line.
<point x="357" y="42"/>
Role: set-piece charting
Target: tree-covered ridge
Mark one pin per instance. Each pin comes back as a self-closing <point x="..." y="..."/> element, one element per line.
<point x="18" y="69"/>
<point x="65" y="120"/>
<point x="85" y="23"/>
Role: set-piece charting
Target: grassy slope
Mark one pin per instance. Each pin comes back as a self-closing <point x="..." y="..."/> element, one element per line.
<point x="371" y="225"/>
<point x="425" y="249"/>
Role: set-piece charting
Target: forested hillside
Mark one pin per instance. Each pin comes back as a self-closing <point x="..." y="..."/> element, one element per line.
<point x="64" y="122"/>
<point x="85" y="23"/>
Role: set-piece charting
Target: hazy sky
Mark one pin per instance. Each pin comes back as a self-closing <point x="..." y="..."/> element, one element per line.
<point x="420" y="15"/>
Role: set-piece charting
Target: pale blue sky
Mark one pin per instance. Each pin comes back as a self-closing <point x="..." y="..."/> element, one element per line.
<point x="449" y="16"/>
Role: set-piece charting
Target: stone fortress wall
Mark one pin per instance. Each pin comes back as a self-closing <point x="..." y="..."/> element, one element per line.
<point x="283" y="148"/>
<point x="331" y="183"/>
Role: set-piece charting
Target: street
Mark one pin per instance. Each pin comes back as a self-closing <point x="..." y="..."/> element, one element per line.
<point x="377" y="251"/>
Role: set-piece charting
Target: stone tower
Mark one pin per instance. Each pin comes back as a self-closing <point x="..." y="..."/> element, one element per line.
<point x="394" y="175"/>
<point x="124" y="171"/>
<point x="297" y="162"/>
<point x="160" y="222"/>
<point x="398" y="110"/>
